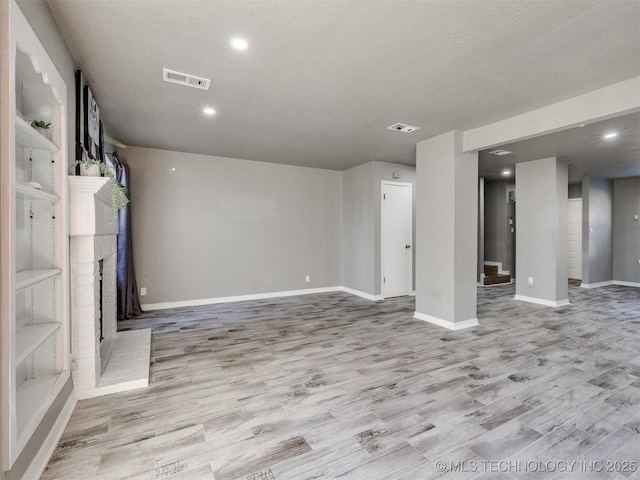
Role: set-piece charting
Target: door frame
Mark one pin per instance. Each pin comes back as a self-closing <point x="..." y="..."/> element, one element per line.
<point x="574" y="201"/>
<point x="398" y="184"/>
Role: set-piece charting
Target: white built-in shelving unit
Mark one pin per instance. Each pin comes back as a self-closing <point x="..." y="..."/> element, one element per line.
<point x="35" y="244"/>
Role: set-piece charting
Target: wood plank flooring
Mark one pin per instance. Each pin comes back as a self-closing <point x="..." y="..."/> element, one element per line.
<point x="332" y="386"/>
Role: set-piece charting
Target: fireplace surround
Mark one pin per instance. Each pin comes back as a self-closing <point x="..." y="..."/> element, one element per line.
<point x="104" y="360"/>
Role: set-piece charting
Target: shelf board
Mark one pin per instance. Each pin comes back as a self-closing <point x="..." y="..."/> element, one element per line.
<point x="25" y="191"/>
<point x="27" y="136"/>
<point x="30" y="395"/>
<point x="27" y="278"/>
<point x="29" y="338"/>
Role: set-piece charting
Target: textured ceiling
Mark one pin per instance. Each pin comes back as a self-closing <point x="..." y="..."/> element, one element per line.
<point x="322" y="80"/>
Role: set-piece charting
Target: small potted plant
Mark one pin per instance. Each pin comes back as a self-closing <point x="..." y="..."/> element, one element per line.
<point x="41" y="127"/>
<point x="90" y="168"/>
<point x="96" y="168"/>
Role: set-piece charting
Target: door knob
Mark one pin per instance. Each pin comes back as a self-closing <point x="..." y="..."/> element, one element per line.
<point x="407" y="246"/>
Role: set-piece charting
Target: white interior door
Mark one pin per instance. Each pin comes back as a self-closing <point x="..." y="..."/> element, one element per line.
<point x="397" y="239"/>
<point x="574" y="248"/>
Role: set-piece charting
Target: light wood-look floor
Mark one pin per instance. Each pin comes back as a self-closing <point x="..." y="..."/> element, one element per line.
<point x="332" y="386"/>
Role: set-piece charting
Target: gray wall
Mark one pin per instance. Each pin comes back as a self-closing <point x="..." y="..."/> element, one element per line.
<point x="481" y="213"/>
<point x="218" y="227"/>
<point x="3" y="5"/>
<point x="626" y="230"/>
<point x="597" y="230"/>
<point x="575" y="190"/>
<point x="358" y="227"/>
<point x="361" y="223"/>
<point x="39" y="16"/>
<point x="498" y="239"/>
<point x="541" y="233"/>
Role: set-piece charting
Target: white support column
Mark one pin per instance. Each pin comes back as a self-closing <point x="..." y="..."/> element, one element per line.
<point x="541" y="233"/>
<point x="446" y="232"/>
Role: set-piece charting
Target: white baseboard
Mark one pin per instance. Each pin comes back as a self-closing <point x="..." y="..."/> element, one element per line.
<point x="39" y="462"/>
<point x="597" y="284"/>
<point x="540" y="301"/>
<point x="610" y="282"/>
<point x="497" y="264"/>
<point x="446" y="323"/>
<point x="358" y="293"/>
<point x="239" y="298"/>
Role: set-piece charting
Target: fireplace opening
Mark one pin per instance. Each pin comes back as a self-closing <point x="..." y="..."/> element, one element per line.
<point x="100" y="300"/>
<point x="104" y="310"/>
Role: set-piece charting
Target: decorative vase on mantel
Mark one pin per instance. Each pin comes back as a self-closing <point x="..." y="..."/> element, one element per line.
<point x="89" y="169"/>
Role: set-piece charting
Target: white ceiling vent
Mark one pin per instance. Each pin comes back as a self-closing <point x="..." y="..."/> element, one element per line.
<point x="500" y="152"/>
<point x="401" y="127"/>
<point x="185" y="79"/>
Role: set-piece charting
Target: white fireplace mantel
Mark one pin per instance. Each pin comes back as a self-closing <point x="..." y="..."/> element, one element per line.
<point x="121" y="360"/>
<point x="91" y="206"/>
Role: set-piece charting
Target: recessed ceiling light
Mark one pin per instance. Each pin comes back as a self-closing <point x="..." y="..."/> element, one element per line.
<point x="611" y="135"/>
<point x="500" y="152"/>
<point x="239" y="43"/>
<point x="209" y="111"/>
<point x="506" y="173"/>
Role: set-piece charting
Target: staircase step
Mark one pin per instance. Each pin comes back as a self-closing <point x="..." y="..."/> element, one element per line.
<point x="496" y="279"/>
<point x="491" y="270"/>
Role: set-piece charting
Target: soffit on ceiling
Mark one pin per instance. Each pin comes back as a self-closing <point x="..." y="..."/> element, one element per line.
<point x="585" y="148"/>
<point x="322" y="80"/>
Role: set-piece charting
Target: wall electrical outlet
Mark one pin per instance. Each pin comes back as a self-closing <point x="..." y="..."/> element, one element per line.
<point x="530" y="282"/>
<point x="143" y="291"/>
<point x="308" y="278"/>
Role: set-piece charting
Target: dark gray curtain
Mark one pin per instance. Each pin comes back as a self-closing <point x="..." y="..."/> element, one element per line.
<point x="128" y="300"/>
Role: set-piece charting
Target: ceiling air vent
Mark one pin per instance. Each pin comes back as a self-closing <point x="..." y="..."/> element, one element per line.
<point x="185" y="79"/>
<point x="401" y="127"/>
<point x="500" y="152"/>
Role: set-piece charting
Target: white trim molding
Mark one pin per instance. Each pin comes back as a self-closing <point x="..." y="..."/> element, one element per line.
<point x="610" y="282"/>
<point x="541" y="301"/>
<point x="358" y="293"/>
<point x="626" y="284"/>
<point x="446" y="323"/>
<point x="41" y="459"/>
<point x="597" y="284"/>
<point x="239" y="298"/>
